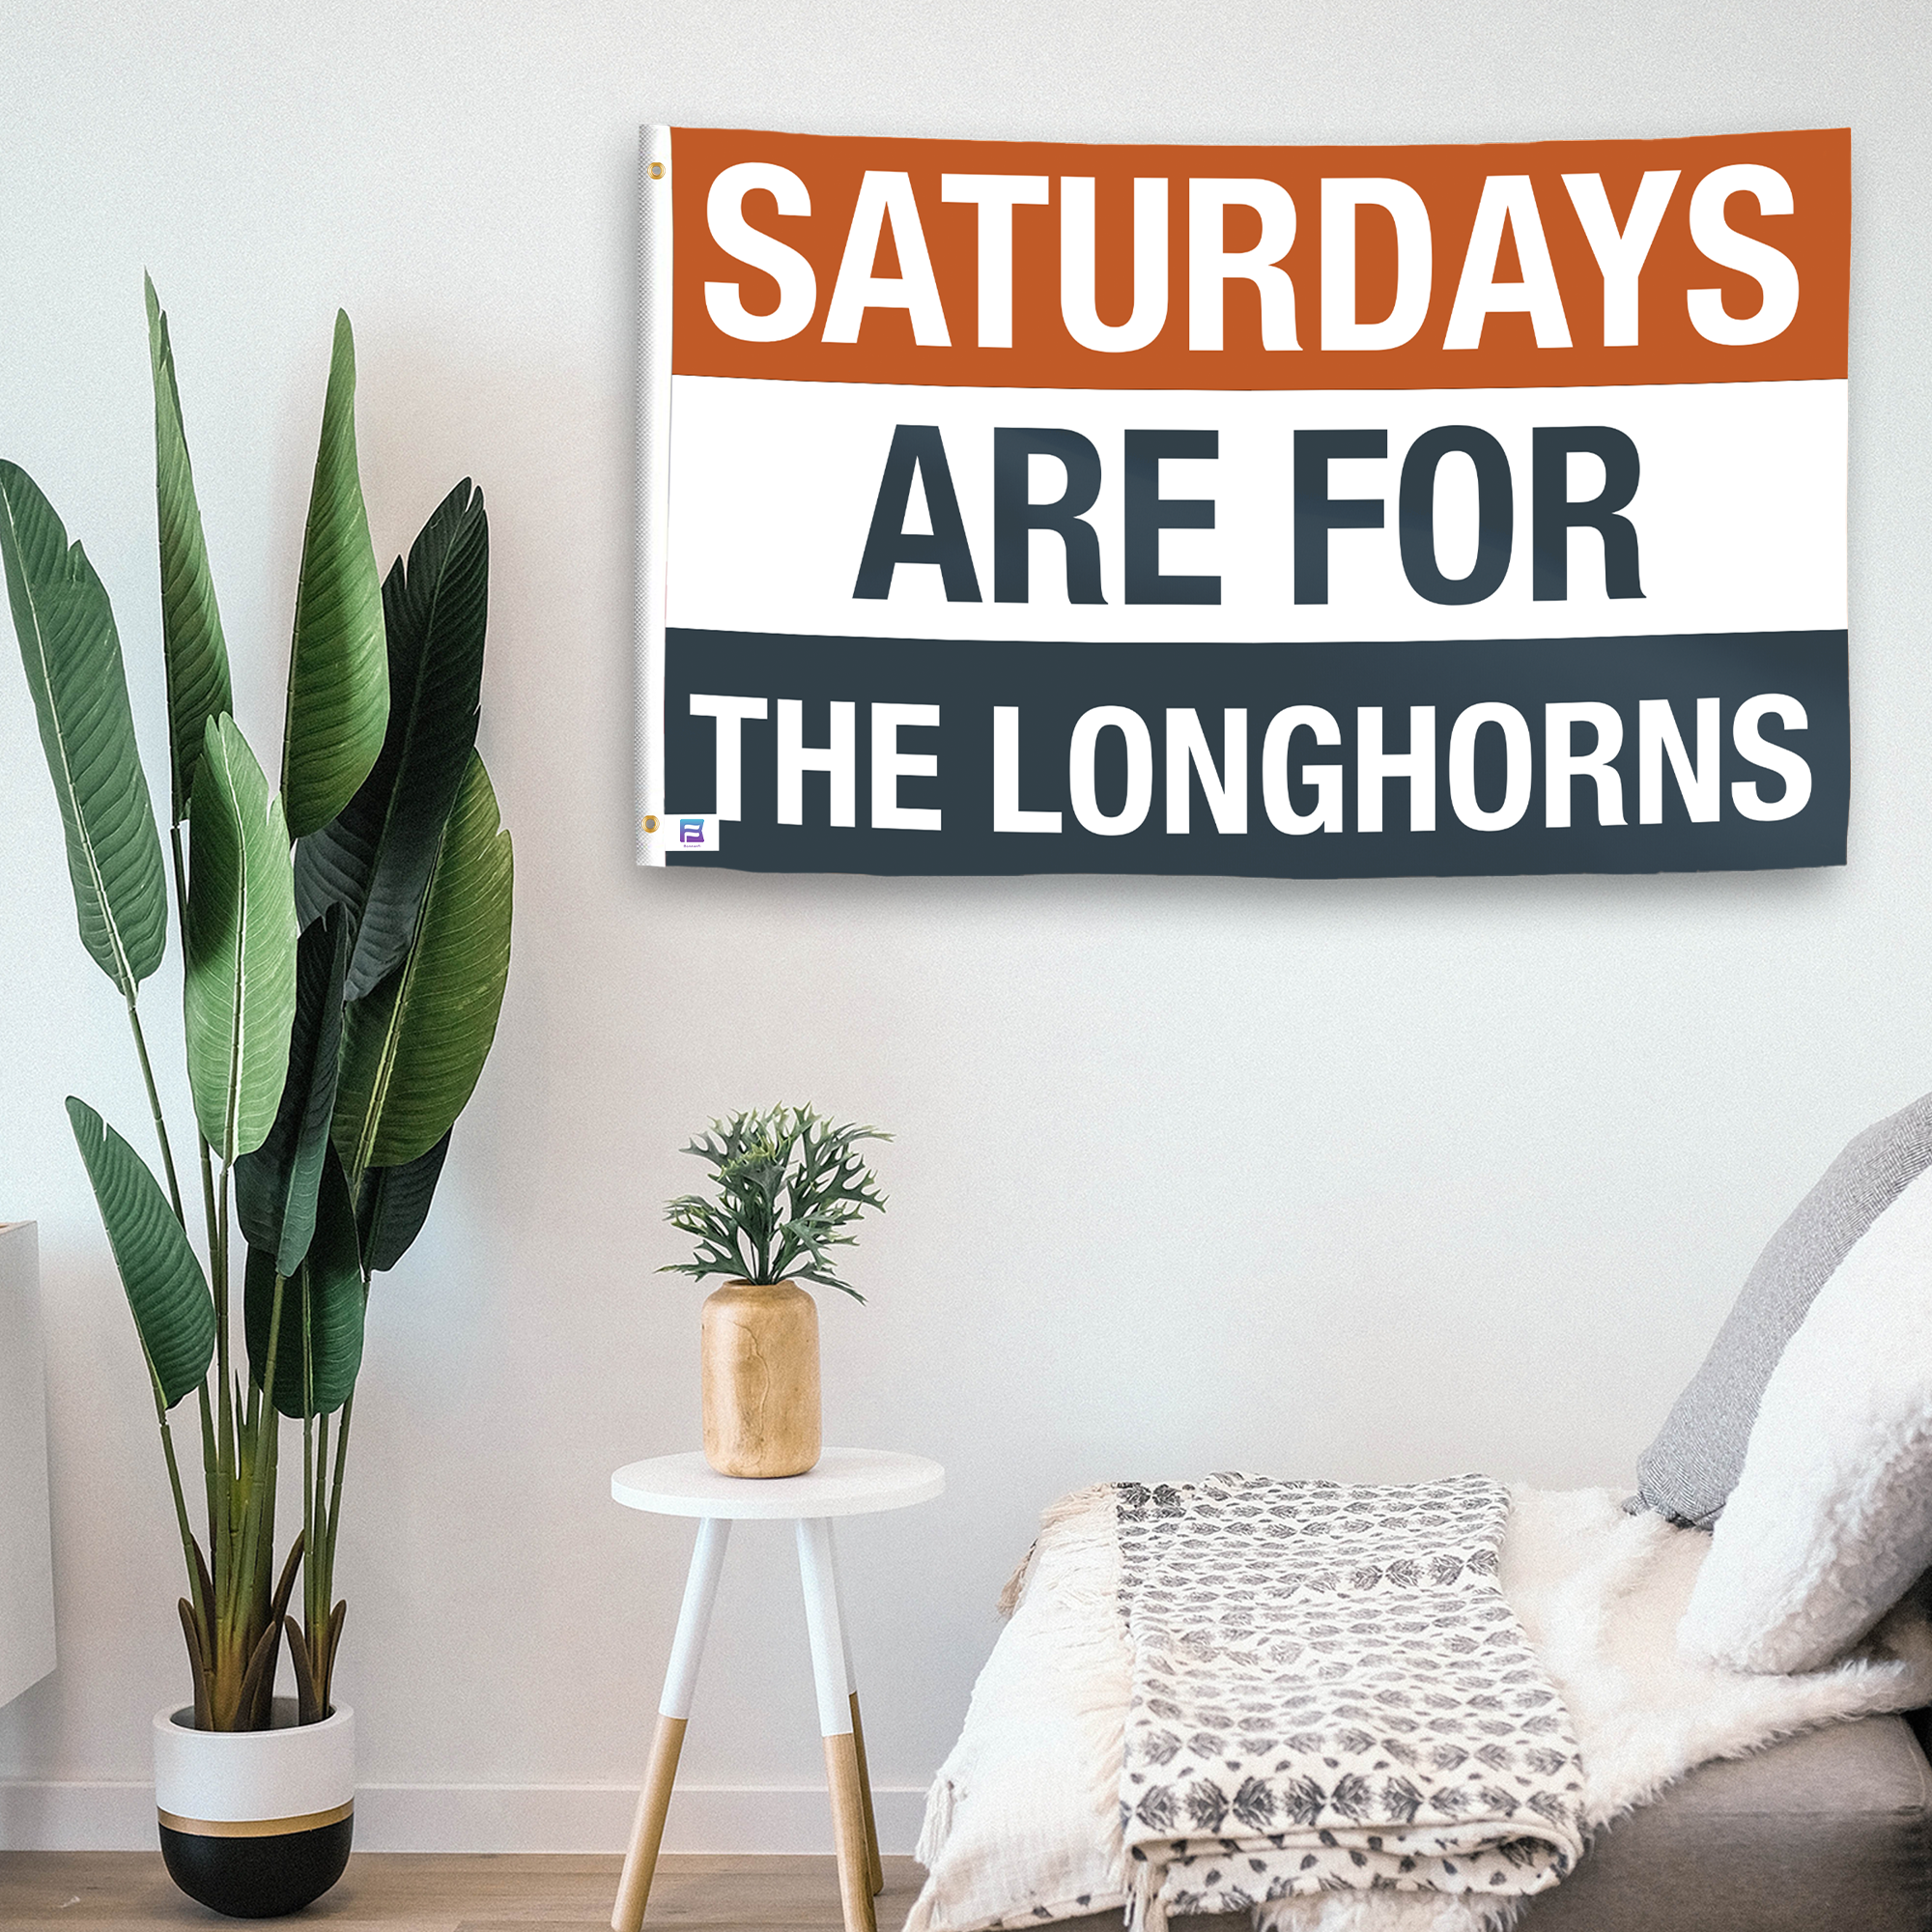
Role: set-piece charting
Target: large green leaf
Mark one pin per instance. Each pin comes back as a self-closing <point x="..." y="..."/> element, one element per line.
<point x="73" y="656"/>
<point x="276" y="1185"/>
<point x="412" y="1050"/>
<point x="324" y="1294"/>
<point x="375" y="857"/>
<point x="239" y="986"/>
<point x="174" y="1314"/>
<point x="192" y="646"/>
<point x="394" y="1204"/>
<point x="338" y="666"/>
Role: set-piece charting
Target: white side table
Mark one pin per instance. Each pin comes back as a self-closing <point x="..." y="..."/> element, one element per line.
<point x="846" y="1482"/>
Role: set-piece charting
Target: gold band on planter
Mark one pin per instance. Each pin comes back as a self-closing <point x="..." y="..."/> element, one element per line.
<point x="255" y="1828"/>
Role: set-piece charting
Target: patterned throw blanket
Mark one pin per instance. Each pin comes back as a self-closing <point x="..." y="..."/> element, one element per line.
<point x="1329" y="1693"/>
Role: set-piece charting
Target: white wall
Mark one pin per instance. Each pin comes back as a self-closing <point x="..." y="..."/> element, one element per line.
<point x="1371" y="1180"/>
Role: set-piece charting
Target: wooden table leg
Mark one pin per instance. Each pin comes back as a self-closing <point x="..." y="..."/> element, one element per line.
<point x="701" y="1591"/>
<point x="640" y="1861"/>
<point x="818" y="1580"/>
<point x="878" y="1865"/>
<point x="875" y="1863"/>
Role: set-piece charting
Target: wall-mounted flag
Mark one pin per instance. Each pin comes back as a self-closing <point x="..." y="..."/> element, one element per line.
<point x="1317" y="512"/>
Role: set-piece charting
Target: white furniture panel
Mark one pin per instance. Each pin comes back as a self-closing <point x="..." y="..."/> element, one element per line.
<point x="26" y="1544"/>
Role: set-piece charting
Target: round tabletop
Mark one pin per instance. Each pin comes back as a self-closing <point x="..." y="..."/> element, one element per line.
<point x="845" y="1482"/>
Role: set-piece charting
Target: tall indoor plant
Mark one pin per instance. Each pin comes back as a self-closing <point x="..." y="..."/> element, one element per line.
<point x="345" y="940"/>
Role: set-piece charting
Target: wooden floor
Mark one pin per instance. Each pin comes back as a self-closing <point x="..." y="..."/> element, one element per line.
<point x="103" y="1891"/>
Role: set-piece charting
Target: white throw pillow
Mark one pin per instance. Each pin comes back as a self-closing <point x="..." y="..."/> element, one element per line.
<point x="1830" y="1521"/>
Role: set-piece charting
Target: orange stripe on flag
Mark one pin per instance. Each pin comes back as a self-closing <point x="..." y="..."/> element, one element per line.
<point x="1040" y="265"/>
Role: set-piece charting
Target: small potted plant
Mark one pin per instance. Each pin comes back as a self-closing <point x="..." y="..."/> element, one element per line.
<point x="790" y="1188"/>
<point x="345" y="940"/>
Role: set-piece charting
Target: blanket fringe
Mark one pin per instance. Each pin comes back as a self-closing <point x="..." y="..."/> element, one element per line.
<point x="938" y="1825"/>
<point x="1076" y="1502"/>
<point x="1146" y="1912"/>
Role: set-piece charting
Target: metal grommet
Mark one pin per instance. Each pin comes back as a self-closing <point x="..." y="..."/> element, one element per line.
<point x="657" y="171"/>
<point x="650" y="821"/>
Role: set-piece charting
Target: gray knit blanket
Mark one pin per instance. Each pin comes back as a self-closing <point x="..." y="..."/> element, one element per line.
<point x="1329" y="1693"/>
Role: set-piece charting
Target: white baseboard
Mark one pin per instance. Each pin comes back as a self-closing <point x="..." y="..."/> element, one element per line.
<point x="100" y="1817"/>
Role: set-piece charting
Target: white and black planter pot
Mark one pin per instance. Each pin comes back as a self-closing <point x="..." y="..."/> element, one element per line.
<point x="256" y="1824"/>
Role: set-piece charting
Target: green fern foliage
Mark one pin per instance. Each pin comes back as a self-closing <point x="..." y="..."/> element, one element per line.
<point x="790" y="1188"/>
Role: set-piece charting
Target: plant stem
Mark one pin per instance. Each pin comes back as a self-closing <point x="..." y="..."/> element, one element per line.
<point x="323" y="1563"/>
<point x="220" y="1495"/>
<point x="225" y="1452"/>
<point x="260" y="1488"/>
<point x="154" y="1107"/>
<point x="308" y="1471"/>
<point x="334" y="1517"/>
<point x="316" y="1577"/>
<point x="211" y="1477"/>
<point x="308" y="1523"/>
<point x="210" y="1461"/>
<point x="201" y="1608"/>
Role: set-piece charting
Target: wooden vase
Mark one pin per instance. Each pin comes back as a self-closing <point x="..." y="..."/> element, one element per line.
<point x="760" y="1349"/>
